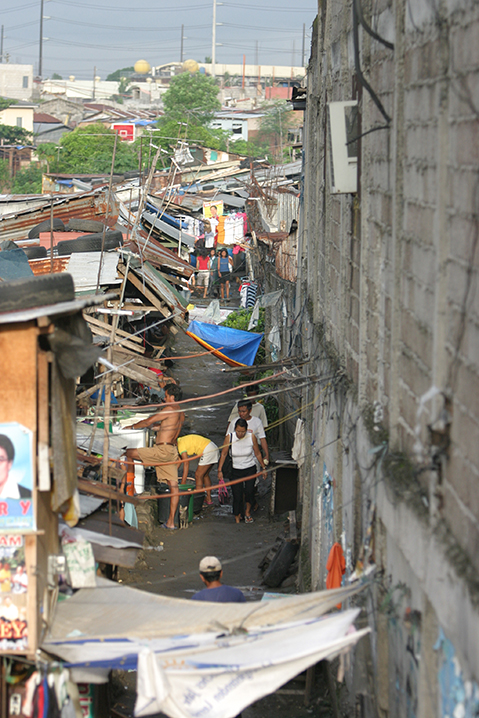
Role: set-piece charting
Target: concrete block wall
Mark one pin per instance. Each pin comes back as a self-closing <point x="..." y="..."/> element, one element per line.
<point x="16" y="81"/>
<point x="389" y="278"/>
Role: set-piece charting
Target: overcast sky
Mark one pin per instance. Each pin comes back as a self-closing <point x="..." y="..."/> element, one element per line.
<point x="110" y="34"/>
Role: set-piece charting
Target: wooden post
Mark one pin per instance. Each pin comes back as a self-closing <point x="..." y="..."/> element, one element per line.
<point x="51" y="235"/>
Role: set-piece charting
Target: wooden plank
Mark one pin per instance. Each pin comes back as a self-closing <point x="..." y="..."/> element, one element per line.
<point x="117" y="530"/>
<point x="124" y="342"/>
<point x="109" y="327"/>
<point x="139" y="374"/>
<point x="43" y="448"/>
<point x="105" y="492"/>
<point x="120" y="354"/>
<point x="99" y="521"/>
<point x="147" y="293"/>
<point x="18" y="349"/>
<point x="125" y="557"/>
<point x="33" y="594"/>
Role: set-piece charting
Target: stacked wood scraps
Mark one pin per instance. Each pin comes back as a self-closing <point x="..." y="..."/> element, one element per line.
<point x="127" y="357"/>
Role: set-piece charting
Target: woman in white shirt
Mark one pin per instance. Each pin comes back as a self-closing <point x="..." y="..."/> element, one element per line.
<point x="244" y="449"/>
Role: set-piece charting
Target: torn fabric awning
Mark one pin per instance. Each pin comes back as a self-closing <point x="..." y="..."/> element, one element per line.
<point x="192" y="646"/>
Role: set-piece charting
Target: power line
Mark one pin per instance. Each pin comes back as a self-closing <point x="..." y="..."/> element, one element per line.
<point x="135" y="9"/>
<point x="274" y="9"/>
<point x="129" y="28"/>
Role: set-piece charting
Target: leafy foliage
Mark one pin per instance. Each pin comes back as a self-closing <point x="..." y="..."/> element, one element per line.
<point x="90" y="149"/>
<point x="192" y="97"/>
<point x="5" y="180"/>
<point x="274" y="128"/>
<point x="4" y="103"/>
<point x="15" y="135"/>
<point x="28" y="180"/>
<point x="119" y="74"/>
<point x="169" y="132"/>
<point x="250" y="148"/>
<point x="56" y="76"/>
<point x="48" y="156"/>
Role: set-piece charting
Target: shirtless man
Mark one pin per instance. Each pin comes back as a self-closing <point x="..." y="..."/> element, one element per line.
<point x="169" y="420"/>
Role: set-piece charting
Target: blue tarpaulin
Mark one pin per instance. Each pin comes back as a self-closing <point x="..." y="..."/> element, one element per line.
<point x="169" y="219"/>
<point x="233" y="346"/>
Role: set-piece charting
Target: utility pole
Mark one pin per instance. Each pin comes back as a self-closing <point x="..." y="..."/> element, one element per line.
<point x="40" y="54"/>
<point x="181" y="44"/>
<point x="1" y="46"/>
<point x="94" y="80"/>
<point x="213" y="44"/>
<point x="302" y="49"/>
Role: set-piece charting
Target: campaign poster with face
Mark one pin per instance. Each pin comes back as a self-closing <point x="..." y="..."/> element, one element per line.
<point x="213" y="209"/>
<point x="13" y="594"/>
<point x="16" y="477"/>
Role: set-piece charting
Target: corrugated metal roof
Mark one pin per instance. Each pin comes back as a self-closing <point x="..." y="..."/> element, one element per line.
<point x="53" y="310"/>
<point x="84" y="205"/>
<point x="83" y="266"/>
<point x="167" y="229"/>
<point x="44" y="118"/>
<point x="44" y="266"/>
<point x="153" y="251"/>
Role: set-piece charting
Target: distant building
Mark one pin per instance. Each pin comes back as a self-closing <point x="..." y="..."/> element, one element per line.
<point x="241" y="125"/>
<point x="18" y="115"/>
<point x="16" y="81"/>
<point x="47" y="128"/>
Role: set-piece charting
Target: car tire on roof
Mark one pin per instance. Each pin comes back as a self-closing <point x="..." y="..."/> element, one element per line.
<point x="90" y="243"/>
<point x="35" y="252"/>
<point x="36" y="291"/>
<point x="84" y="225"/>
<point x="58" y="226"/>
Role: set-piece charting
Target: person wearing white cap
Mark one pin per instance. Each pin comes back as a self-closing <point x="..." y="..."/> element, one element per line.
<point x="211" y="572"/>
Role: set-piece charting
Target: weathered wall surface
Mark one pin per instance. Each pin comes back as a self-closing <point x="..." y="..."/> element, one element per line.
<point x="386" y="309"/>
<point x="16" y="81"/>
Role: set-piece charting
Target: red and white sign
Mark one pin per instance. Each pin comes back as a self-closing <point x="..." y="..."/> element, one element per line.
<point x="126" y="132"/>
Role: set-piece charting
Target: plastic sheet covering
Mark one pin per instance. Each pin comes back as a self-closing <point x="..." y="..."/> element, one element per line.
<point x="13" y="262"/>
<point x="197" y="661"/>
<point x="222" y="679"/>
<point x="233" y="346"/>
<point x="71" y="342"/>
<point x="63" y="439"/>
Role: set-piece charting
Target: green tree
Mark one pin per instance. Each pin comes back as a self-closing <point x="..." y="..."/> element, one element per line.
<point x="250" y="148"/>
<point x="118" y="74"/>
<point x="4" y="103"/>
<point x="15" y="135"/>
<point x="56" y="76"/>
<point x="5" y="179"/>
<point x="28" y="180"/>
<point x="274" y="129"/>
<point x="90" y="149"/>
<point x="47" y="153"/>
<point x="192" y="98"/>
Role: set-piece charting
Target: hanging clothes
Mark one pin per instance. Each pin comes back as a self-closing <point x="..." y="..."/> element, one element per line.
<point x="336" y="567"/>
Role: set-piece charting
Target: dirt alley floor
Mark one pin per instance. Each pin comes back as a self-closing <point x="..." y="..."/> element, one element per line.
<point x="173" y="570"/>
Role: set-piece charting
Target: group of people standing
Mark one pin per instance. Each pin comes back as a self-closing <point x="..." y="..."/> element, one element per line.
<point x="213" y="270"/>
<point x="212" y="261"/>
<point x="245" y="443"/>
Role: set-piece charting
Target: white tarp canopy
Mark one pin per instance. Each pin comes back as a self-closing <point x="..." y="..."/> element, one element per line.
<point x="195" y="658"/>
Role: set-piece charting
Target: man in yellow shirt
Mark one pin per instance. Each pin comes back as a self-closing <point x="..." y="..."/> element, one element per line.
<point x="196" y="445"/>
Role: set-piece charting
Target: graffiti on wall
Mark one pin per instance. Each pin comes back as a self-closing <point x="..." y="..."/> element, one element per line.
<point x="459" y="697"/>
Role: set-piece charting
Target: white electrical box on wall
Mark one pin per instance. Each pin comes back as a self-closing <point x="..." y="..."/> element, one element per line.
<point x="343" y="129"/>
